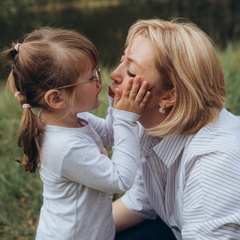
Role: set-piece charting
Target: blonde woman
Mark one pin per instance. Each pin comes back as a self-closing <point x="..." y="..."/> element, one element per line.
<point x="190" y="144"/>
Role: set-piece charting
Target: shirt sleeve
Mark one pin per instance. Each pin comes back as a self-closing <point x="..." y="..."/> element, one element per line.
<point x="104" y="127"/>
<point x="211" y="198"/>
<point x="85" y="165"/>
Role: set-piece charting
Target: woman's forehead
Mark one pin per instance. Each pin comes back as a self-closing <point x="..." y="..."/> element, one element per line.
<point x="140" y="51"/>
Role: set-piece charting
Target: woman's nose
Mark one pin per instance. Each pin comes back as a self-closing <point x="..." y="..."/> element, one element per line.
<point x="116" y="75"/>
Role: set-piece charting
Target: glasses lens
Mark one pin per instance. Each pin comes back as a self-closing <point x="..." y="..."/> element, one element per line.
<point x="98" y="76"/>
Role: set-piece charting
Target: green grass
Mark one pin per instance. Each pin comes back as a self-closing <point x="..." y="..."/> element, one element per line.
<point x="230" y="59"/>
<point x="21" y="192"/>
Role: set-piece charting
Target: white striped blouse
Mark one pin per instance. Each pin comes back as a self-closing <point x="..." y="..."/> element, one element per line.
<point x="192" y="182"/>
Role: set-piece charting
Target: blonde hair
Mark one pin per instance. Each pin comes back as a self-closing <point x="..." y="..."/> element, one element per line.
<point x="45" y="59"/>
<point x="187" y="62"/>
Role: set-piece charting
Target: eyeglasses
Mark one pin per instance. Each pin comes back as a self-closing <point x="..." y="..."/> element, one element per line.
<point x="97" y="78"/>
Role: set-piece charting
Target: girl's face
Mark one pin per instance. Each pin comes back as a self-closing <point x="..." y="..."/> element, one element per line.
<point x="139" y="59"/>
<point x="87" y="89"/>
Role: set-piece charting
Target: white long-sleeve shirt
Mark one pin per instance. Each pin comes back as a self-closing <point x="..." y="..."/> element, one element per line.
<point x="79" y="179"/>
<point x="192" y="182"/>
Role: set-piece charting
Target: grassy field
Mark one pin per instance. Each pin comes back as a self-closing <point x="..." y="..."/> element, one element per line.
<point x="21" y="192"/>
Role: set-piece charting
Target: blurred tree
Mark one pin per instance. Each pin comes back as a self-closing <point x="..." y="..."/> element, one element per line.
<point x="106" y="22"/>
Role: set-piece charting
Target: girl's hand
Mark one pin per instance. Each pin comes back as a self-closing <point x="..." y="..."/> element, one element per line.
<point x="133" y="97"/>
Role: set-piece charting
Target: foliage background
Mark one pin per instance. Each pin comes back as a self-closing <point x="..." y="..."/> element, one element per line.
<point x="106" y="22"/>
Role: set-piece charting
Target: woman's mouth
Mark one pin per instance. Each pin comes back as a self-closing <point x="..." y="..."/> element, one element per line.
<point x="111" y="92"/>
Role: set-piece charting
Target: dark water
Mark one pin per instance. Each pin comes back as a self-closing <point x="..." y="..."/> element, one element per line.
<point x="107" y="27"/>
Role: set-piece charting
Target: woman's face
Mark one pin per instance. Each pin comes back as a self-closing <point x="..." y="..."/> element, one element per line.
<point x="139" y="60"/>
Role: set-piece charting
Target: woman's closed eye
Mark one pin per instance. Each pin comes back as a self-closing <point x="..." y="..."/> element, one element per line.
<point x="130" y="74"/>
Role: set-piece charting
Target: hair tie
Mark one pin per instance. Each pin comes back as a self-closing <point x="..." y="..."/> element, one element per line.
<point x="16" y="94"/>
<point x="26" y="106"/>
<point x="17" y="47"/>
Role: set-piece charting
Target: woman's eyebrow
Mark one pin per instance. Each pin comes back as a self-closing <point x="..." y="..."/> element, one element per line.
<point x="132" y="60"/>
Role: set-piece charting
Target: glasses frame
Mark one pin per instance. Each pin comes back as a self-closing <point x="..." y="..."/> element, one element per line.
<point x="96" y="78"/>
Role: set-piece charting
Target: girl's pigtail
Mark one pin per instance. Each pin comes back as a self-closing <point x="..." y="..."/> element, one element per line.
<point x="30" y="129"/>
<point x="29" y="139"/>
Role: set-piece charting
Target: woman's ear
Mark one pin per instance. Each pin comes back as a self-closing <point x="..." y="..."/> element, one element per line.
<point x="168" y="99"/>
<point x="54" y="99"/>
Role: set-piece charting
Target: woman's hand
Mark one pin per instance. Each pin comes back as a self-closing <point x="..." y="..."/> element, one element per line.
<point x="133" y="98"/>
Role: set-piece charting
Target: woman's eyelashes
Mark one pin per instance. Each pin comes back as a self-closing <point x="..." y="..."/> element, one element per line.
<point x="130" y="74"/>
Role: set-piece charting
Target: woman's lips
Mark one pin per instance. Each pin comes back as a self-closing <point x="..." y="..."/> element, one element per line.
<point x="111" y="92"/>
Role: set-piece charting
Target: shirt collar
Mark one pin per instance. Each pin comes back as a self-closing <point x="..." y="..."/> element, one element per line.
<point x="169" y="148"/>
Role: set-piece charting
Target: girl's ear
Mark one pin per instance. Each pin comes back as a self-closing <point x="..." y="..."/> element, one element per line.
<point x="54" y="99"/>
<point x="168" y="99"/>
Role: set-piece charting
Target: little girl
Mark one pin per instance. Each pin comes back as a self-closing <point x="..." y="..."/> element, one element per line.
<point x="56" y="71"/>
